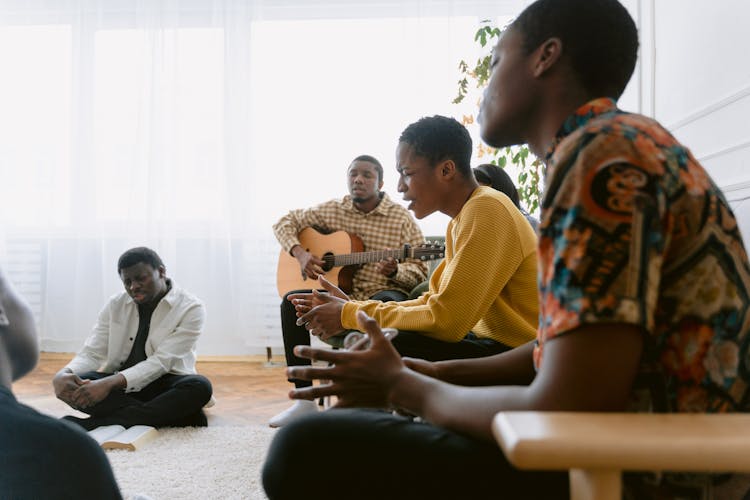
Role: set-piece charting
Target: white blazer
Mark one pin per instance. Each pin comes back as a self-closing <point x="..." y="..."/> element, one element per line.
<point x="175" y="326"/>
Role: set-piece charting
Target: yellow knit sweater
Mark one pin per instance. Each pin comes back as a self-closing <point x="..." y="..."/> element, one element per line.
<point x="486" y="284"/>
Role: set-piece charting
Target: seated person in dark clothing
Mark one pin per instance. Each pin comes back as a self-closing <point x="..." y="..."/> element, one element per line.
<point x="40" y="457"/>
<point x="138" y="365"/>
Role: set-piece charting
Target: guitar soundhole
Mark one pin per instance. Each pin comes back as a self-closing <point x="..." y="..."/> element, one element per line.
<point x="328" y="262"/>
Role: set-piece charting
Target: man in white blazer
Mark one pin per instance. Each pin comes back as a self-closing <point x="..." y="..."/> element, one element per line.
<point x="138" y="365"/>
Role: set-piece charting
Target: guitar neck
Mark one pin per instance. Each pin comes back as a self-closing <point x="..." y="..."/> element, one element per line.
<point x="351" y="259"/>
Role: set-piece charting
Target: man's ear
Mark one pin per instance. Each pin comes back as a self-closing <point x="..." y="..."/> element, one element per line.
<point x="547" y="55"/>
<point x="162" y="271"/>
<point x="447" y="169"/>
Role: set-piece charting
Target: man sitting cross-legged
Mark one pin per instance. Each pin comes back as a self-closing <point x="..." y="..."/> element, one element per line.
<point x="138" y="365"/>
<point x="482" y="298"/>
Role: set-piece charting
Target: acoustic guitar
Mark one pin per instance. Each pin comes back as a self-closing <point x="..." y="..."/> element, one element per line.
<point x="342" y="254"/>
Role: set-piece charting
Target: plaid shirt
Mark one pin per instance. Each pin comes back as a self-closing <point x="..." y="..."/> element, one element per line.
<point x="389" y="225"/>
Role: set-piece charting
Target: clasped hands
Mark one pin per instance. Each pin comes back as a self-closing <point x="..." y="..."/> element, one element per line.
<point x="320" y="312"/>
<point x="81" y="393"/>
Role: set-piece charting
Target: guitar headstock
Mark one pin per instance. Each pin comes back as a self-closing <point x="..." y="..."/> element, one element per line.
<point x="429" y="251"/>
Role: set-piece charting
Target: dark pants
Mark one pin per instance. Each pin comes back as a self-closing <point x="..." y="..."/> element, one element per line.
<point x="169" y="401"/>
<point x="297" y="335"/>
<point x="416" y="345"/>
<point x="367" y="454"/>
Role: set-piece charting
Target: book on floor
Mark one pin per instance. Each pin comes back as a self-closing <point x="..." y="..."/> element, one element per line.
<point x="117" y="437"/>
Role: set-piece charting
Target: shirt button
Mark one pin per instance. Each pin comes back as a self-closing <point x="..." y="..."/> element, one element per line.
<point x="131" y="338"/>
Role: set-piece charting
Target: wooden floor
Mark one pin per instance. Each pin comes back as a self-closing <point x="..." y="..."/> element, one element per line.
<point x="248" y="390"/>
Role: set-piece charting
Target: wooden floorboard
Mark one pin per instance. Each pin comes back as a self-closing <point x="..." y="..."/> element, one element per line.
<point x="248" y="390"/>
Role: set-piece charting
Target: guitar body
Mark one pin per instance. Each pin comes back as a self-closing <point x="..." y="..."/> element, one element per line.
<point x="289" y="277"/>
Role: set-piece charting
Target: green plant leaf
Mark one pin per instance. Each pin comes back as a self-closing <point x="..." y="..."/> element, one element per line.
<point x="529" y="166"/>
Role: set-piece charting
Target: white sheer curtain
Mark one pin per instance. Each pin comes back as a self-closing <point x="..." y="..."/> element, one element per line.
<point x="190" y="127"/>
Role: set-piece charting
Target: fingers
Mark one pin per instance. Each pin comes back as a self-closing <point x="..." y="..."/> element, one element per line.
<point x="81" y="399"/>
<point x="370" y="326"/>
<point x="331" y="288"/>
<point x="309" y="372"/>
<point x="322" y="296"/>
<point x="314" y="354"/>
<point x="301" y="307"/>
<point x="305" y="318"/>
<point x="327" y="285"/>
<point x="314" y="392"/>
<point x="412" y="363"/>
<point x="299" y="296"/>
<point x="418" y="365"/>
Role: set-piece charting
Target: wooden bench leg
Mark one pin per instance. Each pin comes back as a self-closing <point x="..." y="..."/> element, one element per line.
<point x="595" y="484"/>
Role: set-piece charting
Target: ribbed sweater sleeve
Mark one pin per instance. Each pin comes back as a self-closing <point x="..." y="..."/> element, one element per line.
<point x="487" y="244"/>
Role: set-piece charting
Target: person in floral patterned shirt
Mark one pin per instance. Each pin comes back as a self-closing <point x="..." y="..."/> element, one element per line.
<point x="644" y="292"/>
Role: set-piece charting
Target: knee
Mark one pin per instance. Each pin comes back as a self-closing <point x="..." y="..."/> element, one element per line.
<point x="286" y="468"/>
<point x="286" y="304"/>
<point x="199" y="386"/>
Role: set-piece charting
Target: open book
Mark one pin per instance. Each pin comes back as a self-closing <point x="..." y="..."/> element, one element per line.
<point x="116" y="437"/>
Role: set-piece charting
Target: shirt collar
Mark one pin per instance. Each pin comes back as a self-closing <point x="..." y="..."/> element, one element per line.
<point x="579" y="118"/>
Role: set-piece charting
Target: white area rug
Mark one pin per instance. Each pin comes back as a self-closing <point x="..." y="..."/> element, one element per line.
<point x="195" y="463"/>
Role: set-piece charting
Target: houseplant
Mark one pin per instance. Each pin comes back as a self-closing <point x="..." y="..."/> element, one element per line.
<point x="473" y="78"/>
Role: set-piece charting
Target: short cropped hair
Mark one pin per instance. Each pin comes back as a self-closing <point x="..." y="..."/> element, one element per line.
<point x="137" y="255"/>
<point x="440" y="138"/>
<point x="598" y="37"/>
<point x="498" y="179"/>
<point x="374" y="161"/>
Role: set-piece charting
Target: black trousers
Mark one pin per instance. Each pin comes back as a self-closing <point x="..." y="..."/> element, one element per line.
<point x="297" y="335"/>
<point x="369" y="454"/>
<point x="416" y="345"/>
<point x="169" y="401"/>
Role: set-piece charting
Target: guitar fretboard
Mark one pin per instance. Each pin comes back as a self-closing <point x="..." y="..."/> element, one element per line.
<point x="351" y="259"/>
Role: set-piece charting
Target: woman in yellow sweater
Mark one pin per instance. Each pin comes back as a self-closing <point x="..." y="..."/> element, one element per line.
<point x="482" y="298"/>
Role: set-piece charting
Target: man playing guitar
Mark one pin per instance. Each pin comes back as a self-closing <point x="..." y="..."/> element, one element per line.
<point x="379" y="223"/>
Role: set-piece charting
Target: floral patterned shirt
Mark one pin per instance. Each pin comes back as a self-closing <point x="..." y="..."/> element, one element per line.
<point x="634" y="231"/>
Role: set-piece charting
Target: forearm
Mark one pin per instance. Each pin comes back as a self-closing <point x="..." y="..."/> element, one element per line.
<point x="432" y="320"/>
<point x="114" y="381"/>
<point x="514" y="367"/>
<point x="141" y="374"/>
<point x="461" y="409"/>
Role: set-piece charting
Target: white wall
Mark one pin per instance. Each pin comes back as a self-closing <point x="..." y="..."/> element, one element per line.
<point x="695" y="79"/>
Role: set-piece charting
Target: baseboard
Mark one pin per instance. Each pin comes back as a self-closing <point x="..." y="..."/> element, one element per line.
<point x="247" y="358"/>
